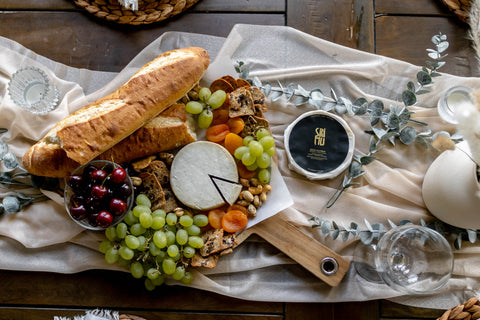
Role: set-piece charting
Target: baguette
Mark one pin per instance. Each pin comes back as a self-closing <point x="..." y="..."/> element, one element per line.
<point x="97" y="127"/>
<point x="171" y="129"/>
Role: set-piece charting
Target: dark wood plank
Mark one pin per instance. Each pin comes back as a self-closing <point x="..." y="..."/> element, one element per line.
<point x="398" y="37"/>
<point x="78" y="40"/>
<point x="391" y="310"/>
<point x="346" y="22"/>
<point x="411" y="7"/>
<point x="117" y="291"/>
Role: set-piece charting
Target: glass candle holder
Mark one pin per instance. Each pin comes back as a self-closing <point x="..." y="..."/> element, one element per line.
<point x="32" y="90"/>
<point x="453" y="99"/>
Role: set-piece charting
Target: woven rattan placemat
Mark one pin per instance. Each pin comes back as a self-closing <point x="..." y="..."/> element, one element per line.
<point x="149" y="11"/>
<point x="459" y="7"/>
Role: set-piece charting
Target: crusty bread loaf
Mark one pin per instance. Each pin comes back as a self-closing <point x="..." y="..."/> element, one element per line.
<point x="97" y="127"/>
<point x="171" y="129"/>
<point x="100" y="125"/>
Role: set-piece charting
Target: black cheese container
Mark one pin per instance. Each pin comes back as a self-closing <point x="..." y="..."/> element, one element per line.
<point x="319" y="145"/>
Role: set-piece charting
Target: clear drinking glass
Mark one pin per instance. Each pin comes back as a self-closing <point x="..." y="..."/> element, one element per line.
<point x="32" y="90"/>
<point x="410" y="259"/>
<point x="454" y="98"/>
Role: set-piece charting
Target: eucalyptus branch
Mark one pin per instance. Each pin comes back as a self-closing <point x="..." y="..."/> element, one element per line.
<point x="374" y="231"/>
<point x="385" y="126"/>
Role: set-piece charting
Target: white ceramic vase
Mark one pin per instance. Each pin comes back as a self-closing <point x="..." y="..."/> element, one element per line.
<point x="451" y="190"/>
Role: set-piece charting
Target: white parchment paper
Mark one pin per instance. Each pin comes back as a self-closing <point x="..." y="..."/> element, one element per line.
<point x="42" y="238"/>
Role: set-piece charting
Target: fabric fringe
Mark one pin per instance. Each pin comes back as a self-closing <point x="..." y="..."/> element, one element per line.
<point x="129" y="4"/>
<point x="96" y="314"/>
<point x="473" y="33"/>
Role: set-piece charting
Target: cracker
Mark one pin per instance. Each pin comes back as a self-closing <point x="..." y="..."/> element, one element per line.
<point x="141" y="164"/>
<point x="221" y="84"/>
<point x="228" y="241"/>
<point x="170" y="202"/>
<point x="242" y="83"/>
<point x="231" y="80"/>
<point x="212" y="242"/>
<point x="206" y="262"/>
<point x="241" y="103"/>
<point x="153" y="189"/>
<point x="160" y="170"/>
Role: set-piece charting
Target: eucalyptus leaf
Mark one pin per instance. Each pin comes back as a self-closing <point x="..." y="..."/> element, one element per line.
<point x="434" y="55"/>
<point x="275" y="95"/>
<point x="368" y="225"/>
<point x="424" y="78"/>
<point x="345" y="235"/>
<point x="360" y="106"/>
<point x="355" y="169"/>
<point x="411" y="86"/>
<point x="366" y="160"/>
<point x="10" y="161"/>
<point x="458" y="242"/>
<point x="326" y="227"/>
<point x="267" y="89"/>
<point x="333" y="94"/>
<point x="256" y="82"/>
<point x="423" y="91"/>
<point x="340" y="109"/>
<point x="11" y="204"/>
<point x="299" y="100"/>
<point x="472" y="235"/>
<point x="289" y="91"/>
<point x="334" y="234"/>
<point x="366" y="237"/>
<point x="407" y="135"/>
<point x="422" y="141"/>
<point x="3" y="149"/>
<point x="372" y="145"/>
<point x="302" y="91"/>
<point x="375" y="116"/>
<point x="442" y="46"/>
<point x="376" y="105"/>
<point x="409" y="98"/>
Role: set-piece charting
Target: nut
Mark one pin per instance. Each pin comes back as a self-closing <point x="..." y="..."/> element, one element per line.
<point x="193" y="95"/>
<point x="254" y="182"/>
<point x="166" y="157"/>
<point x="252" y="211"/>
<point x="267" y="188"/>
<point x="179" y="212"/>
<point x="136" y="181"/>
<point x="246" y="195"/>
<point x="243" y="203"/>
<point x="244" y="182"/>
<point x="263" y="196"/>
<point x="256" y="201"/>
<point x="256" y="190"/>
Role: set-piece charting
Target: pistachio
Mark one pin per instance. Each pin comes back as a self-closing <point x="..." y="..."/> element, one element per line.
<point x="179" y="212"/>
<point x="243" y="203"/>
<point x="246" y="195"/>
<point x="244" y="182"/>
<point x="136" y="181"/>
<point x="256" y="190"/>
<point x="263" y="196"/>
<point x="256" y="201"/>
<point x="252" y="211"/>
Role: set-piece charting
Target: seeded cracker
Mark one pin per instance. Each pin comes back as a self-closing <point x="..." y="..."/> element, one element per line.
<point x="221" y="84"/>
<point x="241" y="103"/>
<point x="153" y="189"/>
<point x="206" y="262"/>
<point x="160" y="170"/>
<point x="212" y="240"/>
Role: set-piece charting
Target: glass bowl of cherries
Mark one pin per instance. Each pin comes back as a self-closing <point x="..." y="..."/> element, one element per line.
<point x="98" y="194"/>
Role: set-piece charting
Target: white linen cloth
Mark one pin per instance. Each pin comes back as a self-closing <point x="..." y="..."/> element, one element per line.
<point x="43" y="238"/>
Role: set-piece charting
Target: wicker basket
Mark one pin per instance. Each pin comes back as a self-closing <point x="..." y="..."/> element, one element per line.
<point x="459" y="7"/>
<point x="149" y="11"/>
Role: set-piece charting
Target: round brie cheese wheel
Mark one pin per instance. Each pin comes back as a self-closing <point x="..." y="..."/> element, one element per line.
<point x="204" y="176"/>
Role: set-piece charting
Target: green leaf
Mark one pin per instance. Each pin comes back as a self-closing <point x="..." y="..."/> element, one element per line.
<point x="407" y="135"/>
<point x="411" y="86"/>
<point x="424" y="78"/>
<point x="355" y="169"/>
<point x="409" y="98"/>
<point x="442" y="46"/>
<point x="326" y="227"/>
<point x="373" y="145"/>
<point x="360" y="106"/>
<point x="366" y="160"/>
<point x="472" y="235"/>
<point x="375" y="116"/>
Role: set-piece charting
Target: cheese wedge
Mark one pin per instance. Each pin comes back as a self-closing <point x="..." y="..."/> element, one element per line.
<point x="204" y="176"/>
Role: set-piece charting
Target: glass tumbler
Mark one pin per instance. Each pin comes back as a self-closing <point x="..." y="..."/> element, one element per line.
<point x="454" y="98"/>
<point x="32" y="90"/>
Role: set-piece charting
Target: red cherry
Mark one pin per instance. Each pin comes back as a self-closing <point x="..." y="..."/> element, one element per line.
<point x="119" y="175"/>
<point x="98" y="175"/>
<point x="117" y="206"/>
<point x="104" y="219"/>
<point x="78" y="212"/>
<point x="99" y="192"/>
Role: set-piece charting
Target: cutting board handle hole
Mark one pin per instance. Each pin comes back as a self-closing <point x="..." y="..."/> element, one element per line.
<point x="329" y="266"/>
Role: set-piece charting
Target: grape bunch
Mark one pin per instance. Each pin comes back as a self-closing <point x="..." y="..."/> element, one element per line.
<point x="155" y="244"/>
<point x="207" y="102"/>
<point x="256" y="153"/>
<point x="99" y="195"/>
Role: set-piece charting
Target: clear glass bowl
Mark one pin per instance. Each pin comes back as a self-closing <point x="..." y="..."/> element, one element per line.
<point x="32" y="90"/>
<point x="78" y="192"/>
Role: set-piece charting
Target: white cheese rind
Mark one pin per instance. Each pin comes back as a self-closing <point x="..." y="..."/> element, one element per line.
<point x="191" y="176"/>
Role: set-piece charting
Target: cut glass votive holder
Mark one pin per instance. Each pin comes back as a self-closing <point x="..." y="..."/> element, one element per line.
<point x="32" y="90"/>
<point x="453" y="99"/>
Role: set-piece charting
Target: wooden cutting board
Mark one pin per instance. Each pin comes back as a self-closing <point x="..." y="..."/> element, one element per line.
<point x="323" y="262"/>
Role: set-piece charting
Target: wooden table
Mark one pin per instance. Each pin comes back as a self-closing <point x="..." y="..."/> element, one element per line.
<point x="62" y="32"/>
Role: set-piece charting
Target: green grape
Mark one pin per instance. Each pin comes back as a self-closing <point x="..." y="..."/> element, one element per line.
<point x="137" y="210"/>
<point x="170" y="228"/>
<point x="143" y="242"/>
<point x="205" y="119"/>
<point x="263" y="161"/>
<point x="111" y="233"/>
<point x="157" y="222"/>
<point x="248" y="159"/>
<point x="255" y="148"/>
<point x="130" y="218"/>
<point x="161" y="256"/>
<point x="172" y="250"/>
<point x="194" y="107"/>
<point x="123" y="263"/>
<point x="132" y="242"/>
<point x="204" y="94"/>
<point x="179" y="273"/>
<point x="188" y="252"/>
<point x="200" y="220"/>
<point x="185" y="221"/>
<point x="171" y="219"/>
<point x="181" y="237"/>
<point x="137" y="229"/>
<point x="111" y="255"/>
<point x="149" y="285"/>
<point x="247" y="140"/>
<point x="270" y="151"/>
<point x="193" y="230"/>
<point x="252" y="167"/>
<point x="177" y="257"/>
<point x="169" y="266"/>
<point x="105" y="245"/>
<point x="145" y="219"/>
<point x="187" y="278"/>
<point x="153" y="249"/>
<point x="217" y="99"/>
<point x="136" y="269"/>
<point x="195" y="242"/>
<point x="126" y="253"/>
<point x="153" y="273"/>
<point x="267" y="142"/>
<point x="171" y="238"/>
<point x="264" y="176"/>
<point x="143" y="200"/>
<point x="262" y="132"/>
<point x="240" y="151"/>
<point x="160" y="239"/>
<point x="159" y="213"/>
<point x="159" y="280"/>
<point x="121" y="230"/>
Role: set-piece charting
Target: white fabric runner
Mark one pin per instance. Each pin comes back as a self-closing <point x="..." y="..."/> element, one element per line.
<point x="43" y="238"/>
